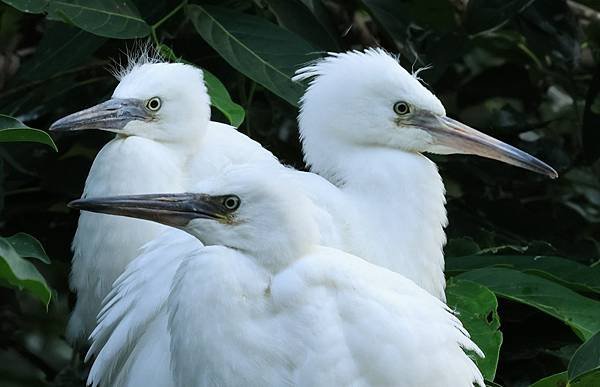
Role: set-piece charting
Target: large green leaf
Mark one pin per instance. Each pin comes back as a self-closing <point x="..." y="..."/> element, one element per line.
<point x="586" y="359"/>
<point x="476" y="307"/>
<point x="19" y="273"/>
<point x="567" y="272"/>
<point x="13" y="130"/>
<point x="109" y="18"/>
<point x="29" y="6"/>
<point x="260" y="50"/>
<point x="62" y="48"/>
<point x="579" y="312"/>
<point x="296" y="16"/>
<point x="561" y="380"/>
<point x="556" y="380"/>
<point x="219" y="96"/>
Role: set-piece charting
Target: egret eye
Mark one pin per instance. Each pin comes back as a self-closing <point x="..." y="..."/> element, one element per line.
<point x="153" y="104"/>
<point x="401" y="108"/>
<point x="231" y="202"/>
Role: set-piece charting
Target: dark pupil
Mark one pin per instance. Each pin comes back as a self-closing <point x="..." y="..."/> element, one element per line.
<point x="230" y="203"/>
<point x="402" y="108"/>
<point x="153" y="104"/>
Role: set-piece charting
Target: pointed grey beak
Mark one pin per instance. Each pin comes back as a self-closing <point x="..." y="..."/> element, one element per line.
<point x="111" y="116"/>
<point x="451" y="136"/>
<point x="175" y="210"/>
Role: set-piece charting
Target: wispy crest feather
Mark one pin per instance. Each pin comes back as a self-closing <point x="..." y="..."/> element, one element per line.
<point x="320" y="66"/>
<point x="142" y="52"/>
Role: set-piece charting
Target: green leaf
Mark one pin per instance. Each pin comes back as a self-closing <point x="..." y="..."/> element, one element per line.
<point x="111" y="19"/>
<point x="565" y="271"/>
<point x="586" y="359"/>
<point x="476" y="307"/>
<point x="556" y="380"/>
<point x="27" y="246"/>
<point x="220" y="98"/>
<point x="579" y="312"/>
<point x="262" y="51"/>
<point x="13" y="130"/>
<point x="591" y="379"/>
<point x="29" y="6"/>
<point x="295" y="16"/>
<point x="62" y="47"/>
<point x="397" y="16"/>
<point x="19" y="273"/>
<point x="108" y="18"/>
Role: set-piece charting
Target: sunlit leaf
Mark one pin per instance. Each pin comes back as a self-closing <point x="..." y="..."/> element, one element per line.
<point x="578" y="312"/>
<point x="260" y="50"/>
<point x="13" y="130"/>
<point x="19" y="273"/>
<point x="476" y="306"/>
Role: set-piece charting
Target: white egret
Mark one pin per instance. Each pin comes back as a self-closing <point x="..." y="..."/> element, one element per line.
<point x="164" y="140"/>
<point x="364" y="124"/>
<point x="388" y="199"/>
<point x="263" y="305"/>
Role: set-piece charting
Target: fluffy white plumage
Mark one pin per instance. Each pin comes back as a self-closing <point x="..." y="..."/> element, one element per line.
<point x="356" y="218"/>
<point x="385" y="202"/>
<point x="166" y="154"/>
<point x="262" y="304"/>
<point x="350" y="135"/>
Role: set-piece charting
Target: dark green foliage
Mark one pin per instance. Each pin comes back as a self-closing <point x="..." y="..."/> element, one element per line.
<point x="523" y="251"/>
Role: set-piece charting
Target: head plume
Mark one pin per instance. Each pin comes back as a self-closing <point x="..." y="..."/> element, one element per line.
<point x="140" y="53"/>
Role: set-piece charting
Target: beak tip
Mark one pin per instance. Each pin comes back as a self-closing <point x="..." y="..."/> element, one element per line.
<point x="75" y="204"/>
<point x="58" y="126"/>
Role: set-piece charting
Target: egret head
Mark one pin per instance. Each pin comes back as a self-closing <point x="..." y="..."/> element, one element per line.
<point x="256" y="210"/>
<point x="159" y="101"/>
<point x="367" y="99"/>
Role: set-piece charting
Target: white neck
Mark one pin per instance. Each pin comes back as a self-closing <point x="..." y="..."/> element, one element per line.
<point x="399" y="201"/>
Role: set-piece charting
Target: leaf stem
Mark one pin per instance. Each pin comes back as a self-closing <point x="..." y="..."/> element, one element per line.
<point x="167" y="17"/>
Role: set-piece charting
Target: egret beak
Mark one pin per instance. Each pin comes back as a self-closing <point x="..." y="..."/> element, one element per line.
<point x="175" y="210"/>
<point x="451" y="136"/>
<point x="111" y="116"/>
